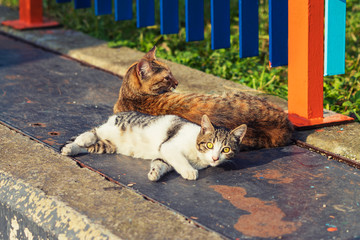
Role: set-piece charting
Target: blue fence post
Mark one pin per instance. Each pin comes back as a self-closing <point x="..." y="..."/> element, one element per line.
<point x="103" y="7"/>
<point x="169" y="16"/>
<point x="145" y="10"/>
<point x="123" y="10"/>
<point x="335" y="23"/>
<point x="248" y="28"/>
<point x="220" y="24"/>
<point x="278" y="32"/>
<point x="82" y="4"/>
<point x="194" y="20"/>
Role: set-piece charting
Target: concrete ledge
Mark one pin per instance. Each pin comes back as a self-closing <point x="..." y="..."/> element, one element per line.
<point x="343" y="140"/>
<point x="28" y="211"/>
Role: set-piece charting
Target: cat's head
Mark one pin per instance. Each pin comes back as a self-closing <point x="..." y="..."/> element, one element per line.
<point x="219" y="144"/>
<point x="154" y="77"/>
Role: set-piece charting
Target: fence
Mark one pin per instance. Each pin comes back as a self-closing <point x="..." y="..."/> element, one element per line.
<point x="296" y="38"/>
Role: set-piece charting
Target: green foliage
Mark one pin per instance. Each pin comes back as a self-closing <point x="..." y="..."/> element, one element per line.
<point x="9" y="3"/>
<point x="341" y="93"/>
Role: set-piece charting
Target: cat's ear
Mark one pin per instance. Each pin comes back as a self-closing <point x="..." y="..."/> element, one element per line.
<point x="206" y="126"/>
<point x="239" y="132"/>
<point x="151" y="54"/>
<point x="143" y="68"/>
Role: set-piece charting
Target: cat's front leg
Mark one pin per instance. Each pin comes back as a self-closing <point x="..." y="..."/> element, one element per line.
<point x="86" y="139"/>
<point x="72" y="149"/>
<point x="181" y="165"/>
<point x="189" y="174"/>
<point x="79" y="144"/>
<point x="178" y="161"/>
<point x="158" y="168"/>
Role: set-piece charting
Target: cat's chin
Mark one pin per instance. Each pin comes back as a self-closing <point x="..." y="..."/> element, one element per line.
<point x="214" y="164"/>
<point x="171" y="89"/>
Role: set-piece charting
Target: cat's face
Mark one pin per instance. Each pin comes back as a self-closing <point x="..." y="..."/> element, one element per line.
<point x="154" y="77"/>
<point x="219" y="145"/>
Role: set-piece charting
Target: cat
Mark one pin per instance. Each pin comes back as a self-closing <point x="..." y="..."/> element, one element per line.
<point x="147" y="88"/>
<point x="172" y="143"/>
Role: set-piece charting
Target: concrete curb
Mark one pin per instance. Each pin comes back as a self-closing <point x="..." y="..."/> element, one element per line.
<point x="40" y="215"/>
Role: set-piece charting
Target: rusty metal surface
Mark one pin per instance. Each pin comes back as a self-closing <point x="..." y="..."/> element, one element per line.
<point x="287" y="192"/>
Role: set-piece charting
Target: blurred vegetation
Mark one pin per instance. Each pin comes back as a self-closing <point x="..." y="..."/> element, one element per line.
<point x="341" y="92"/>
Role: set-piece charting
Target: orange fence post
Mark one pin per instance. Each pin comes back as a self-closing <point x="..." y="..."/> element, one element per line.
<point x="30" y="16"/>
<point x="306" y="64"/>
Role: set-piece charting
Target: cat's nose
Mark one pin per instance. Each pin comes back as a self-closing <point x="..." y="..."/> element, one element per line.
<point x="215" y="158"/>
<point x="173" y="80"/>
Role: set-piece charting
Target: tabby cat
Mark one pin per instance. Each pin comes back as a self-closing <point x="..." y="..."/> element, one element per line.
<point x="147" y="88"/>
<point x="170" y="141"/>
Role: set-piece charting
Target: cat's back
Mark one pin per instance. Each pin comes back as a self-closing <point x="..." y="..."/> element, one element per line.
<point x="133" y="120"/>
<point x="142" y="125"/>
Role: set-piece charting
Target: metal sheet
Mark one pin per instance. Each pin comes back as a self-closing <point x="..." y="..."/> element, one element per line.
<point x="289" y="192"/>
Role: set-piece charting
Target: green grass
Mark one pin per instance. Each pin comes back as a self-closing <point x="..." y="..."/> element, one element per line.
<point x="341" y="92"/>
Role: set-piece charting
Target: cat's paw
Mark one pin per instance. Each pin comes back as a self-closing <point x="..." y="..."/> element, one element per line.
<point x="158" y="168"/>
<point x="154" y="174"/>
<point x="71" y="149"/>
<point x="86" y="139"/>
<point x="190" y="174"/>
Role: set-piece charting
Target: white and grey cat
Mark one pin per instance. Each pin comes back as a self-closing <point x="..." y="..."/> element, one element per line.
<point x="170" y="141"/>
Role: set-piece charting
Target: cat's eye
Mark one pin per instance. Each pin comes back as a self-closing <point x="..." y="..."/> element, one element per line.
<point x="209" y="145"/>
<point x="226" y="149"/>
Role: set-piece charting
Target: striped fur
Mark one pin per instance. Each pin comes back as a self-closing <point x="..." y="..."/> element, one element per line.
<point x="102" y="146"/>
<point x="172" y="143"/>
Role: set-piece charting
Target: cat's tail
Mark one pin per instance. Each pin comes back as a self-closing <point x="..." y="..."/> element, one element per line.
<point x="271" y="126"/>
<point x="268" y="137"/>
